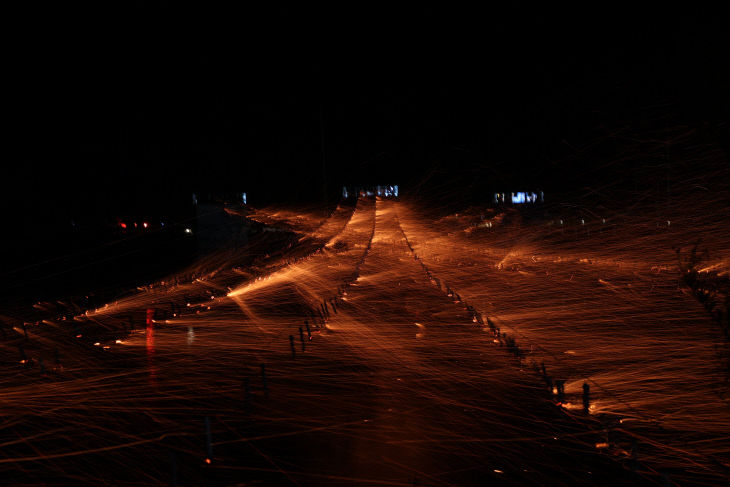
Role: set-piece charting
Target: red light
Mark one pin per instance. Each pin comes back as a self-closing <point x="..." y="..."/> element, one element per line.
<point x="123" y="225"/>
<point x="135" y="224"/>
<point x="145" y="224"/>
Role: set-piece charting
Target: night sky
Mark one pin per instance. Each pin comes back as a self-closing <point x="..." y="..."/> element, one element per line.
<point x="138" y="105"/>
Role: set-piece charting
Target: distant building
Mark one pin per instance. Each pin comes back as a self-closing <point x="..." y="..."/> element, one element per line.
<point x="519" y="198"/>
<point x="388" y="191"/>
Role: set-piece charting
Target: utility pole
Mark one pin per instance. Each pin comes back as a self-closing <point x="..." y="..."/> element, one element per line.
<point x="668" y="166"/>
<point x="324" y="160"/>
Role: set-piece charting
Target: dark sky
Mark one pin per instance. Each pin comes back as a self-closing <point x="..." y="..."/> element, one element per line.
<point x="144" y="102"/>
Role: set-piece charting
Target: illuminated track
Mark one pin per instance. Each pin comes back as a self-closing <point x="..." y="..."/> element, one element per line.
<point x="340" y="364"/>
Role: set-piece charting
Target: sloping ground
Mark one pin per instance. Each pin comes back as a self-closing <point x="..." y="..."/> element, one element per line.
<point x="606" y="309"/>
<point x="219" y="384"/>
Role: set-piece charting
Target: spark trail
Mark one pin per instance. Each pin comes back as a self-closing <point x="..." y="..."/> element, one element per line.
<point x="394" y="383"/>
<point x="604" y="313"/>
